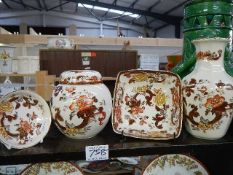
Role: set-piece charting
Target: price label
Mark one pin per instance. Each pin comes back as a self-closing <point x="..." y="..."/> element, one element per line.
<point x="97" y="152"/>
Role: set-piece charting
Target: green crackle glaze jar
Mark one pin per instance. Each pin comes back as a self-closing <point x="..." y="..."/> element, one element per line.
<point x="206" y="19"/>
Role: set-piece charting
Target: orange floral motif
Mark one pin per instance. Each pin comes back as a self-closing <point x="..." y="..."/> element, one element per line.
<point x="84" y="102"/>
<point x="94" y="78"/>
<point x="72" y="107"/>
<point x="136" y="110"/>
<point x="215" y="101"/>
<point x="25" y="126"/>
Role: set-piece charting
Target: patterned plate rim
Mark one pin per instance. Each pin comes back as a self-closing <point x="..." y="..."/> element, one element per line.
<point x="185" y="155"/>
<point x="71" y="163"/>
<point x="47" y="124"/>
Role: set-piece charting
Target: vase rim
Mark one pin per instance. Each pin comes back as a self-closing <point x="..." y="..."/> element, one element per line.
<point x="80" y="77"/>
<point x="211" y="39"/>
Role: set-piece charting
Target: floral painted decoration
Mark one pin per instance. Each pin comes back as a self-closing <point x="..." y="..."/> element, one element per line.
<point x="78" y="77"/>
<point x="210" y="102"/>
<point x="177" y="163"/>
<point x="86" y="107"/>
<point x="208" y="55"/>
<point x="58" y="168"/>
<point x="24" y="119"/>
<point x="147" y="104"/>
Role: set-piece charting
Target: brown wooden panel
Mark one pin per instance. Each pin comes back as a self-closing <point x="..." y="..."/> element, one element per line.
<point x="108" y="63"/>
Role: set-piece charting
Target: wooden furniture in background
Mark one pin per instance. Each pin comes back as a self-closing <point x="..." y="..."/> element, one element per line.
<point x="43" y="82"/>
<point x="108" y="63"/>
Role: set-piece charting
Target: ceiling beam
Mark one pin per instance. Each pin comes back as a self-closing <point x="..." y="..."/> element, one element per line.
<point x="60" y="2"/>
<point x="176" y="7"/>
<point x="22" y="3"/>
<point x="155" y="4"/>
<point x="52" y="8"/>
<point x="113" y="3"/>
<point x="6" y="4"/>
<point x="26" y="5"/>
<point x="146" y="21"/>
<point x="169" y="11"/>
<point x="76" y="8"/>
<point x="39" y="4"/>
<point x="165" y="18"/>
<point x="149" y="9"/>
<point x="160" y="27"/>
<point x="133" y="4"/>
<point x="45" y="5"/>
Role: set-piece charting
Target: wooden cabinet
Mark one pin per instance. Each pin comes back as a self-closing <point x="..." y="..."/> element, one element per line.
<point x="108" y="63"/>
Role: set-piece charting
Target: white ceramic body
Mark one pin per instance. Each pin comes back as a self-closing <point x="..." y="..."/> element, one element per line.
<point x="60" y="43"/>
<point x="69" y="100"/>
<point x="6" y="65"/>
<point x="208" y="92"/>
<point x="26" y="64"/>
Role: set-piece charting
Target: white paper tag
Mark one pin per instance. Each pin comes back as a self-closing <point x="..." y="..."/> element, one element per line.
<point x="97" y="152"/>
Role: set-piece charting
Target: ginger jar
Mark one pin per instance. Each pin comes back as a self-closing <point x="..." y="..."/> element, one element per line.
<point x="208" y="91"/>
<point x="81" y="104"/>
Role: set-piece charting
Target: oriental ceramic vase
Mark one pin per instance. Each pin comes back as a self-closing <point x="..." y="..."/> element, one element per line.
<point x="81" y="104"/>
<point x="208" y="91"/>
<point x="205" y="19"/>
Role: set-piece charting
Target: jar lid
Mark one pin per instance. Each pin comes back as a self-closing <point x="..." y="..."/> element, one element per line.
<point x="76" y="77"/>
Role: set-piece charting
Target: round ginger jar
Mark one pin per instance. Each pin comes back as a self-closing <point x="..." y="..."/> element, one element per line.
<point x="81" y="104"/>
<point x="208" y="91"/>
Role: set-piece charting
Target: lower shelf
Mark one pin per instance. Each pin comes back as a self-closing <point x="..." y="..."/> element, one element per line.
<point x="57" y="147"/>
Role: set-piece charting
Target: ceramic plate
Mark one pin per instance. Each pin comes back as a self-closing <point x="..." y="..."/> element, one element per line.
<point x="175" y="164"/>
<point x="25" y="119"/>
<point x="148" y="104"/>
<point x="55" y="168"/>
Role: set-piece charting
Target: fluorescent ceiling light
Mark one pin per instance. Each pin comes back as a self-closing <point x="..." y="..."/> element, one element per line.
<point x="80" y="5"/>
<point x="128" y="13"/>
<point x="0" y="1"/>
<point x="88" y="6"/>
<point x="109" y="10"/>
<point x="116" y="11"/>
<point x="134" y="16"/>
<point x="85" y="5"/>
<point x="100" y="8"/>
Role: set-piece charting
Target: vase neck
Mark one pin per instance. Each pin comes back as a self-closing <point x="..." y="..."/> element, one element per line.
<point x="210" y="55"/>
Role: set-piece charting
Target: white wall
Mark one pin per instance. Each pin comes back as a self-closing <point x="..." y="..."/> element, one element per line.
<point x="169" y="32"/>
<point x="166" y="32"/>
<point x="85" y="25"/>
